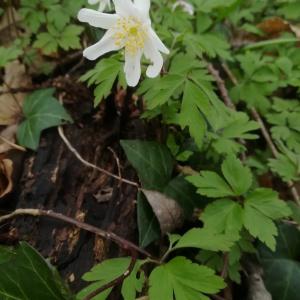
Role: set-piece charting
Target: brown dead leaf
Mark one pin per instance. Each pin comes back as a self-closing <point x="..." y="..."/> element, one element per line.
<point x="274" y="26"/>
<point x="11" y="104"/>
<point x="7" y="138"/>
<point x="296" y="30"/>
<point x="168" y="212"/>
<point x="6" y="170"/>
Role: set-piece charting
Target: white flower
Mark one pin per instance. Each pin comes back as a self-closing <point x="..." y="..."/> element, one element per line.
<point x="129" y="28"/>
<point x="186" y="6"/>
<point x="103" y="4"/>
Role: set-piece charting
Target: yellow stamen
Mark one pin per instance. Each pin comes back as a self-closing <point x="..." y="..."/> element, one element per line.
<point x="130" y="33"/>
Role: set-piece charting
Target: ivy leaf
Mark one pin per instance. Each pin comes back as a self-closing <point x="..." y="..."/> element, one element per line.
<point x="152" y="161"/>
<point x="210" y="184"/>
<point x="261" y="207"/>
<point x="148" y="225"/>
<point x="41" y="111"/>
<point x="238" y="176"/>
<point x="223" y="216"/>
<point x="184" y="279"/>
<point x="23" y="268"/>
<point x="206" y="239"/>
<point x="184" y="193"/>
<point x="281" y="268"/>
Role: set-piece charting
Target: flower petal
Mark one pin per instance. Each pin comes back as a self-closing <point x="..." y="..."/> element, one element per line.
<point x="105" y="45"/>
<point x="143" y="5"/>
<point x="132" y="68"/>
<point x="93" y="2"/>
<point x="124" y="8"/>
<point x="152" y="53"/>
<point x="157" y="41"/>
<point x="97" y="19"/>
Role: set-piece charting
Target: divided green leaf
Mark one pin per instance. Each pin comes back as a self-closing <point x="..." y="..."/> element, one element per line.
<point x="183" y="279"/>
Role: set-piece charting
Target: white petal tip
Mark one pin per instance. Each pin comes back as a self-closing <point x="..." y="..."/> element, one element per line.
<point x="83" y="15"/>
<point x="90" y="55"/>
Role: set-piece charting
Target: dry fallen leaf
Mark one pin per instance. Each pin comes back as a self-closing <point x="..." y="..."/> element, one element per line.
<point x="274" y="26"/>
<point x="11" y="104"/>
<point x="296" y="30"/>
<point x="168" y="212"/>
<point x="6" y="170"/>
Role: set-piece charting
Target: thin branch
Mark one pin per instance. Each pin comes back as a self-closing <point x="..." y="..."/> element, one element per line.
<point x="124" y="244"/>
<point x="225" y="265"/>
<point x="221" y="85"/>
<point x="117" y="162"/>
<point x="90" y="165"/>
<point x="116" y="281"/>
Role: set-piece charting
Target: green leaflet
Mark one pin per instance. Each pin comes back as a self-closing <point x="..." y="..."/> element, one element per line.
<point x="223" y="216"/>
<point x="238" y="177"/>
<point x="184" y="279"/>
<point x="206" y="239"/>
<point x="103" y="76"/>
<point x="261" y="208"/>
<point x="109" y="270"/>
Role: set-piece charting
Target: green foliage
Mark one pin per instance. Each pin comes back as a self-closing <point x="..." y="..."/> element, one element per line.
<point x="184" y="279"/>
<point x="41" y="111"/>
<point x="26" y="275"/>
<point x="55" y="16"/>
<point x="238" y="180"/>
<point x="152" y="161"/>
<point x="212" y="159"/>
<point x="205" y="239"/>
<point x="282" y="269"/>
<point x="260" y="207"/>
<point x="66" y="39"/>
<point x="104" y="75"/>
<point x="8" y="54"/>
<point x="106" y="272"/>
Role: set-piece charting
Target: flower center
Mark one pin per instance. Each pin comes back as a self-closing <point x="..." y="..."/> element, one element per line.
<point x="130" y="34"/>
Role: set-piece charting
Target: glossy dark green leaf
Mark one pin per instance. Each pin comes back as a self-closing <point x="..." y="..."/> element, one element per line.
<point x="149" y="229"/>
<point x="27" y="276"/>
<point x="152" y="161"/>
<point x="41" y="111"/>
<point x="184" y="193"/>
<point x="281" y="268"/>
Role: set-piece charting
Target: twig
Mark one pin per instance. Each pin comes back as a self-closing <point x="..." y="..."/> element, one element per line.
<point x="225" y="95"/>
<point x="225" y="265"/>
<point x="117" y="162"/>
<point x="124" y="244"/>
<point x="116" y="281"/>
<point x="221" y="85"/>
<point x="90" y="165"/>
<point x="265" y="134"/>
